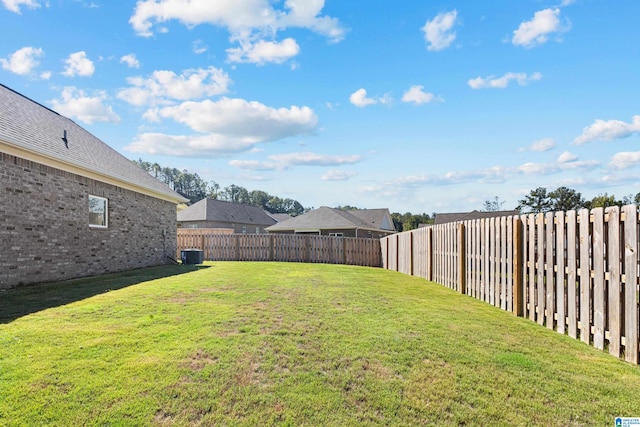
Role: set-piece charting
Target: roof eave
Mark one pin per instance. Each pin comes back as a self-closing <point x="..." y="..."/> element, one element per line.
<point x="56" y="163"/>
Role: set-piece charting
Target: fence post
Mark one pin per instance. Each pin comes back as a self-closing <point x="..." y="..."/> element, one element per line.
<point x="518" y="259"/>
<point x="462" y="262"/>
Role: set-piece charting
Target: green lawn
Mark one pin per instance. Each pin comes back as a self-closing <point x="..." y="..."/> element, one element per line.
<point x="291" y="344"/>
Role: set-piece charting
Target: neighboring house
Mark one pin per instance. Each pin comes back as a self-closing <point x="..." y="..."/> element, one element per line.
<point x="464" y="216"/>
<point x="325" y="221"/>
<point x="70" y="206"/>
<point x="211" y="213"/>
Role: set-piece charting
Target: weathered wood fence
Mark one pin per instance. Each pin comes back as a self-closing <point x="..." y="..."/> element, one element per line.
<point x="574" y="272"/>
<point x="283" y="247"/>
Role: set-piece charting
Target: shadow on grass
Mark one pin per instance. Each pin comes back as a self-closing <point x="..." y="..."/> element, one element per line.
<point x="22" y="301"/>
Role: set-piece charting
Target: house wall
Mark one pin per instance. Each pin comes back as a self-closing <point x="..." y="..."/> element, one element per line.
<point x="44" y="228"/>
<point x="236" y="227"/>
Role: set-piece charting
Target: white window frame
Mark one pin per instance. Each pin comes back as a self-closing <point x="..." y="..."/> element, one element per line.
<point x="105" y="214"/>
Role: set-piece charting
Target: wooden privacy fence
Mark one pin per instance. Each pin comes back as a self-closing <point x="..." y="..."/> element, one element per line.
<point x="574" y="272"/>
<point x="283" y="247"/>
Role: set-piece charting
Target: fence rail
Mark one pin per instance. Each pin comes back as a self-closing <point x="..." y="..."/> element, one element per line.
<point x="574" y="272"/>
<point x="283" y="247"/>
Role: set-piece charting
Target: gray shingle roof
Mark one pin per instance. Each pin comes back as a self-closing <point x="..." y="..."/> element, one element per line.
<point x="221" y="211"/>
<point x="324" y="218"/>
<point x="30" y="126"/>
<point x="378" y="218"/>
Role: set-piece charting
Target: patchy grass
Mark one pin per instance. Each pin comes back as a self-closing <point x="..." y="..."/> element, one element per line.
<point x="291" y="344"/>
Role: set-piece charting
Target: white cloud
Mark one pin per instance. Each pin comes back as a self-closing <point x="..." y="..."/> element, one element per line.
<point x="227" y="126"/>
<point x="164" y="85"/>
<point x="338" y="175"/>
<point x="502" y="82"/>
<point x="541" y="145"/>
<point x="253" y="24"/>
<point x="313" y="159"/>
<point x="22" y="61"/>
<point x="567" y="157"/>
<point x="45" y="75"/>
<point x="417" y="95"/>
<point x="78" y="65"/>
<point x="359" y="99"/>
<point x="492" y="175"/>
<point x="199" y="47"/>
<point x="278" y="162"/>
<point x="537" y="30"/>
<point x="625" y="160"/>
<point x="263" y="52"/>
<point x="14" y="5"/>
<point x="608" y="130"/>
<point x="438" y="32"/>
<point x="130" y="60"/>
<point x="88" y="109"/>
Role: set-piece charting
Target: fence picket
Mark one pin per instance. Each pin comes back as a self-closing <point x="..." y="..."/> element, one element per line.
<point x="598" y="279"/>
<point x="550" y="289"/>
<point x="572" y="279"/>
<point x="630" y="304"/>
<point x="561" y="285"/>
<point x="613" y="289"/>
<point x="585" y="277"/>
<point x="532" y="266"/>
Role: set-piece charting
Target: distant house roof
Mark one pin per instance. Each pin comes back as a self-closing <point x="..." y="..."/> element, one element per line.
<point x="378" y="218"/>
<point x="221" y="211"/>
<point x="325" y="218"/>
<point x="279" y="217"/>
<point x="464" y="216"/>
<point x="34" y="132"/>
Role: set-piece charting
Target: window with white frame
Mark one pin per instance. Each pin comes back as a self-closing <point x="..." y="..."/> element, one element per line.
<point x="98" y="212"/>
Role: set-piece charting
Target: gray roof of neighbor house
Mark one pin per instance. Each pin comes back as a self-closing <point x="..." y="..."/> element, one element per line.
<point x="445" y="218"/>
<point x="279" y="217"/>
<point x="32" y="128"/>
<point x="378" y="218"/>
<point x="325" y="218"/>
<point x="221" y="211"/>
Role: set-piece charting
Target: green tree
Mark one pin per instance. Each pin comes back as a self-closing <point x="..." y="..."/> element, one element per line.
<point x="259" y="198"/>
<point x="409" y="221"/>
<point x="631" y="199"/>
<point x="213" y="190"/>
<point x="603" y="201"/>
<point x="536" y="201"/>
<point x="494" y="205"/>
<point x="566" y="199"/>
<point x="236" y="194"/>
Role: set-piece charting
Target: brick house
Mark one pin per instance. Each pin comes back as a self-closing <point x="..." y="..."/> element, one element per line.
<point x="211" y="213"/>
<point x="71" y="206"/>
<point x="325" y="221"/>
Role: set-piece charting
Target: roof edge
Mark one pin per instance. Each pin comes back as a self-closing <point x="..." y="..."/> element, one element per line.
<point x="13" y="150"/>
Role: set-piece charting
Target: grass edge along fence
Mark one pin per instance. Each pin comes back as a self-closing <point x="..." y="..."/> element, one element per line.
<point x="282" y="247"/>
<point x="575" y="272"/>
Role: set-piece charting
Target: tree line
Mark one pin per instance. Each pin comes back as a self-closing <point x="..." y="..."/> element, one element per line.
<point x="561" y="199"/>
<point x="192" y="187"/>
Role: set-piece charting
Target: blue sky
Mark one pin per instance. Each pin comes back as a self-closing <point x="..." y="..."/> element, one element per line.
<point x="420" y="106"/>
